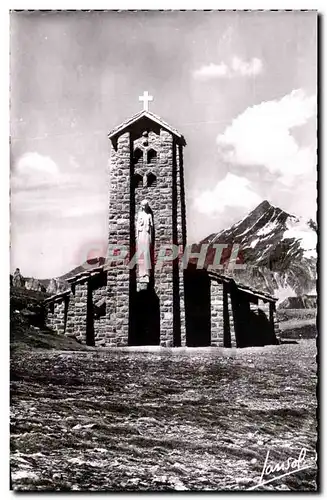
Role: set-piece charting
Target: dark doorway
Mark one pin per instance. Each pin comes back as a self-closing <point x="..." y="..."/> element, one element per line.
<point x="146" y="324"/>
<point x="252" y="326"/>
<point x="197" y="308"/>
<point x="95" y="307"/>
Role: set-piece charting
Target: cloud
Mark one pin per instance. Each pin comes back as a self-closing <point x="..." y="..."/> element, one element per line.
<point x="232" y="191"/>
<point x="211" y="72"/>
<point x="40" y="191"/>
<point x="33" y="170"/>
<point x="95" y="205"/>
<point x="58" y="203"/>
<point x="243" y="68"/>
<point x="237" y="68"/>
<point x="261" y="136"/>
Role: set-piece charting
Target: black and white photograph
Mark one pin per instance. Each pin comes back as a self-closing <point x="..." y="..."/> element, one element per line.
<point x="163" y="251"/>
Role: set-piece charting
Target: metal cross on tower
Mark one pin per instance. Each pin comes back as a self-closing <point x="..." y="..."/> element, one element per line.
<point x="146" y="98"/>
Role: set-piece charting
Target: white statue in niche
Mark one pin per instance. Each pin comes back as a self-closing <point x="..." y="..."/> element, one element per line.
<point x="144" y="232"/>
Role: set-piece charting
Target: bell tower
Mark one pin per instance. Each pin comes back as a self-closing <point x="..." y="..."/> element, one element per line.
<point x="146" y="163"/>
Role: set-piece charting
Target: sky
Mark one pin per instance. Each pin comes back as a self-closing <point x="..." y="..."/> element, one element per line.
<point x="240" y="86"/>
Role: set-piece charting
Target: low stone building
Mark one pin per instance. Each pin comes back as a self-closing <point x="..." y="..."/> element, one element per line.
<point x="218" y="312"/>
<point x="161" y="304"/>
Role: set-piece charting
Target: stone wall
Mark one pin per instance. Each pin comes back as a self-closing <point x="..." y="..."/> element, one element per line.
<point x="231" y="321"/>
<point x="81" y="310"/>
<point x="181" y="293"/>
<point x="179" y="239"/>
<point x="273" y="319"/>
<point x="56" y="315"/>
<point x="217" y="314"/>
<point x="111" y="307"/>
<point x="146" y="166"/>
<point x="70" y="304"/>
<point x="100" y="337"/>
<point x="77" y="313"/>
<point x="269" y="308"/>
<point x="164" y="236"/>
<point x="58" y="321"/>
<point x="117" y="321"/>
<point x="146" y="163"/>
<point x="49" y="319"/>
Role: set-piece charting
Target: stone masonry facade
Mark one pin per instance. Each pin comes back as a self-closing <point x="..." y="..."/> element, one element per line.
<point x="146" y="163"/>
<point x="104" y="306"/>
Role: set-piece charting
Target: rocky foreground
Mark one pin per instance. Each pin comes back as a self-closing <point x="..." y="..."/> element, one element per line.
<point x="167" y="419"/>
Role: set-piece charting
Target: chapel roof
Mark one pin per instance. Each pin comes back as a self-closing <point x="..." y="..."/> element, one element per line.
<point x="213" y="274"/>
<point x="144" y="114"/>
<point x="244" y="287"/>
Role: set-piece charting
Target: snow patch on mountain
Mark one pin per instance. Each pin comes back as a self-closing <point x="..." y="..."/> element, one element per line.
<point x="254" y="242"/>
<point x="278" y="249"/>
<point x="267" y="229"/>
<point x="284" y="292"/>
<point x="299" y="229"/>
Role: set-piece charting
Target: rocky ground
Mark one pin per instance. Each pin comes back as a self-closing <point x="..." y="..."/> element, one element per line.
<point x="297" y="323"/>
<point x="166" y="419"/>
<point x="296" y="314"/>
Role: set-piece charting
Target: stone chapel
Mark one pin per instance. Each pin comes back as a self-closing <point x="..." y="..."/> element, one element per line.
<point x="120" y="305"/>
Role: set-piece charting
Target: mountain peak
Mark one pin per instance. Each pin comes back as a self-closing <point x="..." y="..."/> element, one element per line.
<point x="276" y="241"/>
<point x="264" y="205"/>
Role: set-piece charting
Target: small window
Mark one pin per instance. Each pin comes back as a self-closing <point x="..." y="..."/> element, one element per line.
<point x="137" y="156"/>
<point x="137" y="181"/>
<point x="152" y="156"/>
<point x="151" y="180"/>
